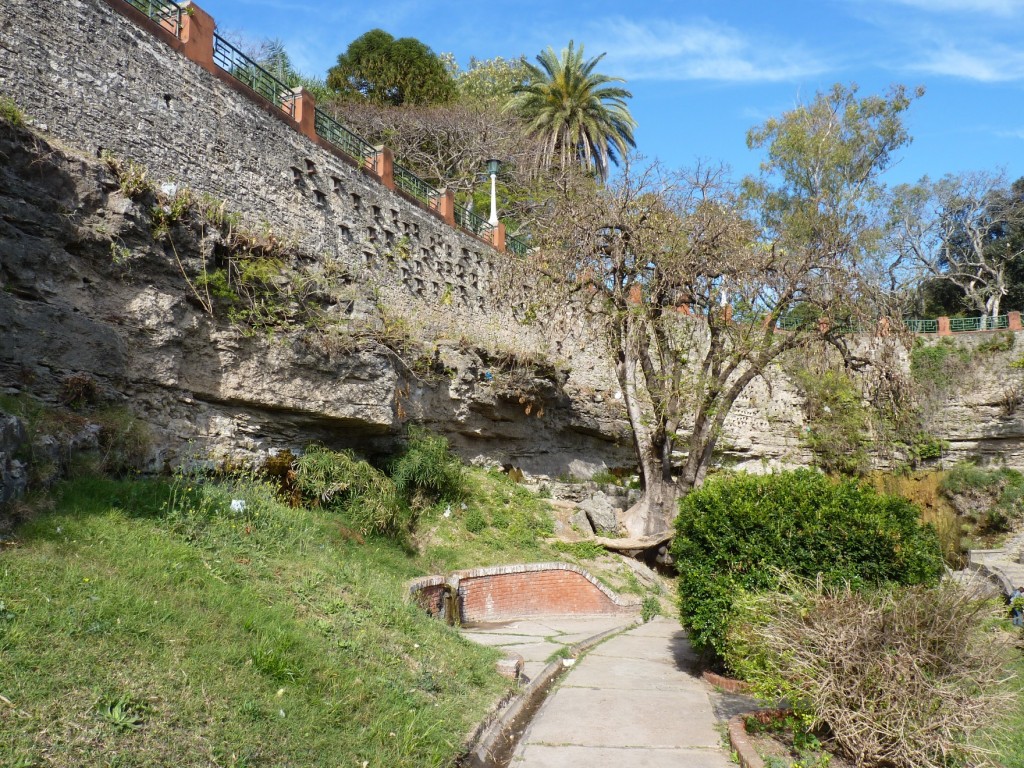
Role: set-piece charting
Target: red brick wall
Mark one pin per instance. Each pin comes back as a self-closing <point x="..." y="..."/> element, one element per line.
<point x="431" y="598"/>
<point x="505" y="592"/>
<point x="512" y="595"/>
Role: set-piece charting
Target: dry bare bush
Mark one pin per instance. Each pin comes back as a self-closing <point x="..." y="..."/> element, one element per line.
<point x="899" y="678"/>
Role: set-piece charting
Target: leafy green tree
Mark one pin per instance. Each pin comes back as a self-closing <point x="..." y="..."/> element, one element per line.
<point x="579" y="115"/>
<point x="273" y="57"/>
<point x="394" y="72"/>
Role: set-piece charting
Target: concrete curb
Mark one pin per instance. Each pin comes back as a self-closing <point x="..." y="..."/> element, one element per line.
<point x="992" y="572"/>
<point x="495" y="740"/>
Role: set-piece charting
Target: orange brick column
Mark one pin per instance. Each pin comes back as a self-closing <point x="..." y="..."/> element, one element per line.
<point x="944" y="327"/>
<point x="386" y="166"/>
<point x="305" y="112"/>
<point x="498" y="237"/>
<point x="446" y="206"/>
<point x="1013" y="319"/>
<point x="197" y="29"/>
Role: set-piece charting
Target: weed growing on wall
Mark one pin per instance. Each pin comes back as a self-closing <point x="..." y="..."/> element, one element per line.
<point x="132" y="178"/>
<point x="10" y="113"/>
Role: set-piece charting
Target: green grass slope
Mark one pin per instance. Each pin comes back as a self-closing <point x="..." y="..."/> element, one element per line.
<point x="149" y="624"/>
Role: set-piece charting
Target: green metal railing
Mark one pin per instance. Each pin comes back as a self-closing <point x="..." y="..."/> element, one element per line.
<point x="923" y="326"/>
<point x="789" y="323"/>
<point x="247" y="71"/>
<point x="960" y="324"/>
<point x="410" y="183"/>
<point x="983" y="323"/>
<point x="516" y="246"/>
<point x="478" y="225"/>
<point x="341" y="137"/>
<point x="163" y="12"/>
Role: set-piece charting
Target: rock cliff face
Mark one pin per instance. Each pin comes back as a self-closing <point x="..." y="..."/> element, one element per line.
<point x="210" y="390"/>
<point x="207" y="387"/>
<point x="88" y="289"/>
<point x="979" y="408"/>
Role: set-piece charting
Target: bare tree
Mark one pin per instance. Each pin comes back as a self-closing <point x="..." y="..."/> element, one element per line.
<point x="955" y="230"/>
<point x="448" y="146"/>
<point x="692" y="278"/>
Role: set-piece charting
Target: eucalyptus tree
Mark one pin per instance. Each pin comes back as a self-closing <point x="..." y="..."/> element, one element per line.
<point x="578" y="115"/>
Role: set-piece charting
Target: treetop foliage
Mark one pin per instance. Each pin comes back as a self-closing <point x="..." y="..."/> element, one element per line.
<point x="579" y="115"/>
<point x="385" y="70"/>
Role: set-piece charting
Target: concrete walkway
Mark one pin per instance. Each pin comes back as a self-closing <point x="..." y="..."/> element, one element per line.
<point x="538" y="640"/>
<point x="634" y="700"/>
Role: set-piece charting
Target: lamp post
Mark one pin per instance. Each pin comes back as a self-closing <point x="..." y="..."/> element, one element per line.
<point x="492" y="168"/>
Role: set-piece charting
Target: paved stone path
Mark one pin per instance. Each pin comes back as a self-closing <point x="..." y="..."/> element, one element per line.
<point x="537" y="640"/>
<point x="633" y="700"/>
<point x="1007" y="559"/>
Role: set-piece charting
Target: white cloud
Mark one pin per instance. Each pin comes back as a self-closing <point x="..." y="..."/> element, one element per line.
<point x="989" y="63"/>
<point x="1011" y="134"/>
<point x="995" y="7"/>
<point x="665" y="50"/>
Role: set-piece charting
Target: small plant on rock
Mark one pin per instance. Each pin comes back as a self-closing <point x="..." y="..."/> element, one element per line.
<point x="10" y="112"/>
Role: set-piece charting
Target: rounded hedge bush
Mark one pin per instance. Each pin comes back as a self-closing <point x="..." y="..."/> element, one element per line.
<point x="737" y="532"/>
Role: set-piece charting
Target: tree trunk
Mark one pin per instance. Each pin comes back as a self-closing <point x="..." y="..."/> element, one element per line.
<point x="655" y="511"/>
<point x="657" y="507"/>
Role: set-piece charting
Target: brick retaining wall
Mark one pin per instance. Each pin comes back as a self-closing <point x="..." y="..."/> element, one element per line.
<point x="502" y="593"/>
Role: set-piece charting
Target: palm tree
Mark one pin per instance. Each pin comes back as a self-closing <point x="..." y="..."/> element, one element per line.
<point x="574" y="112"/>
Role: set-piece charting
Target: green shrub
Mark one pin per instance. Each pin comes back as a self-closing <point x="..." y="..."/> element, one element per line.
<point x="362" y="494"/>
<point x="1002" y="341"/>
<point x="428" y="470"/>
<point x="649" y="608"/>
<point x="737" y="532"/>
<point x="899" y="677"/>
<point x="474" y="520"/>
<point x="937" y="365"/>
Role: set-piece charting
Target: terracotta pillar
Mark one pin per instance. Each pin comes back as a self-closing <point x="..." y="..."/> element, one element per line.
<point x="304" y="112"/>
<point x="446" y="206"/>
<point x="883" y="328"/>
<point x="385" y="166"/>
<point x="944" y="327"/>
<point x="635" y="294"/>
<point x="1013" y="319"/>
<point x="498" y="237"/>
<point x="197" y="27"/>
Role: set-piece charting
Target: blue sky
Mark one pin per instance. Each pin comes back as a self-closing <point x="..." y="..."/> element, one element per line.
<point x="702" y="72"/>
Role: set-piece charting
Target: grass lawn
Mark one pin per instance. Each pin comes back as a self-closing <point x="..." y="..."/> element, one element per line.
<point x="1009" y="737"/>
<point x="149" y="624"/>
